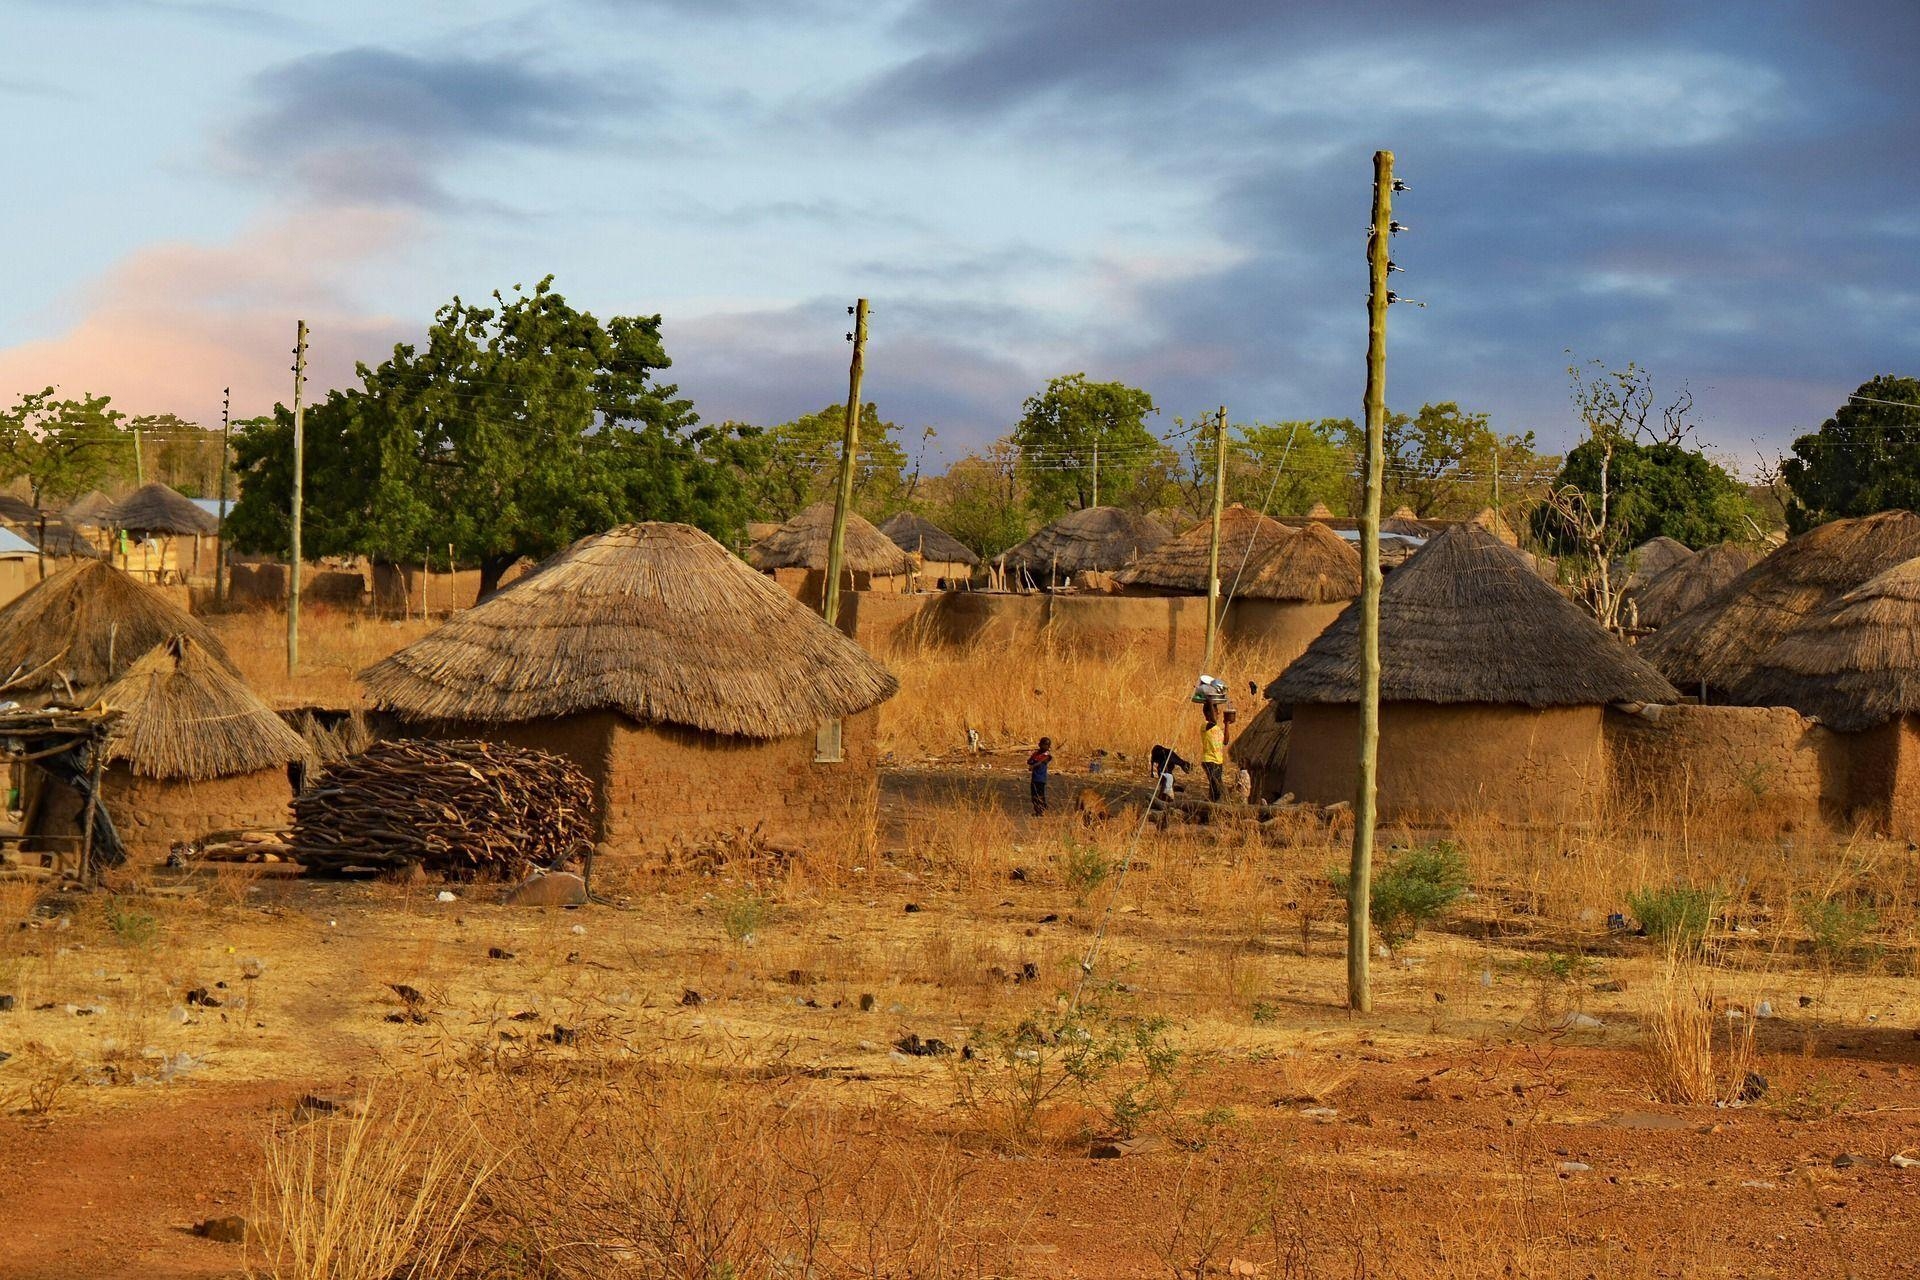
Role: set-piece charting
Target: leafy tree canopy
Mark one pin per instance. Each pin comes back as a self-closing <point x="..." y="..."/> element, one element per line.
<point x="517" y="429"/>
<point x="1865" y="458"/>
<point x="802" y="465"/>
<point x="979" y="500"/>
<point x="1657" y="489"/>
<point x="1441" y="461"/>
<point x="1073" y="422"/>
<point x="62" y="447"/>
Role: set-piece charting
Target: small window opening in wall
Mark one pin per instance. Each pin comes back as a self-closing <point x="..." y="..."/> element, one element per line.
<point x="826" y="743"/>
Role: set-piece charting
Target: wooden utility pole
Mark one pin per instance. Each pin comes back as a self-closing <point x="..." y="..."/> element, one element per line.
<point x="1213" y="545"/>
<point x="849" y="453"/>
<point x="1360" y="888"/>
<point x="139" y="462"/>
<point x="299" y="494"/>
<point x="226" y="446"/>
<point x="1096" y="468"/>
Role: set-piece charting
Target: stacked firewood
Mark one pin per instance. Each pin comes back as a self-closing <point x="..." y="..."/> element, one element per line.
<point x="463" y="809"/>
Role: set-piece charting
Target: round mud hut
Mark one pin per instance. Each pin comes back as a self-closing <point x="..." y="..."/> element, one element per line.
<point x="1712" y="648"/>
<point x="1091" y="540"/>
<point x="1493" y="690"/>
<point x="1178" y="566"/>
<point x="795" y="555"/>
<point x="1287" y="597"/>
<point x="1682" y="586"/>
<point x="91" y="510"/>
<point x="698" y="696"/>
<point x="50" y="531"/>
<point x="191" y="752"/>
<point x="170" y="534"/>
<point x="943" y="561"/>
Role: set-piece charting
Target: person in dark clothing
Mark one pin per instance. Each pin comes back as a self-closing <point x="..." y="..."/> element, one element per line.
<point x="1037" y="774"/>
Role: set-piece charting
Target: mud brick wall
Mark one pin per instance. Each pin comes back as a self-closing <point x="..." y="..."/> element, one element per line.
<point x="152" y="814"/>
<point x="1760" y="769"/>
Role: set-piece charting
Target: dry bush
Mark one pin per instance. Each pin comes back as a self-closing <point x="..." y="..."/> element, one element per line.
<point x="1696" y="1053"/>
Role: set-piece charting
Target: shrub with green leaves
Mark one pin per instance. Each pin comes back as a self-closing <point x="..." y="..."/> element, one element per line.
<point x="743" y="916"/>
<point x="130" y="924"/>
<point x="1838" y="930"/>
<point x="1086" y="867"/>
<point x="1414" y="889"/>
<point x="1677" y="915"/>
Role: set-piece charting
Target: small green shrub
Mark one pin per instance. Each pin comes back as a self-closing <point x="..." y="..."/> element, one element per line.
<point x="131" y="925"/>
<point x="1086" y="868"/>
<point x="1414" y="889"/>
<point x="743" y="916"/>
<point x="1839" y="931"/>
<point x="1677" y="915"/>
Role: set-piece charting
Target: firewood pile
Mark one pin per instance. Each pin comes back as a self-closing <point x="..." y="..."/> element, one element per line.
<point x="236" y="846"/>
<point x="464" y="809"/>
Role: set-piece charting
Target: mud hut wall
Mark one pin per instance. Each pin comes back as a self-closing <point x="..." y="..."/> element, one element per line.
<point x="406" y="589"/>
<point x="152" y="814"/>
<point x="1280" y="629"/>
<point x="1882" y="783"/>
<point x="265" y="582"/>
<point x="1442" y="761"/>
<point x="1759" y="768"/>
<point x="17" y="574"/>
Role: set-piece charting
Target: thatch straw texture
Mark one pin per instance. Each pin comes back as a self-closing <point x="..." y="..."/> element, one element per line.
<point x="86" y="626"/>
<point x="1649" y="560"/>
<point x="1320" y="511"/>
<point x="1855" y="663"/>
<point x="1680" y="587"/>
<point x="48" y="530"/>
<point x="1717" y="642"/>
<point x="1465" y="619"/>
<point x="915" y="534"/>
<point x="1311" y="563"/>
<point x="184" y="715"/>
<point x="90" y="510"/>
<point x="801" y="543"/>
<point x="1496" y="524"/>
<point x="1106" y="539"/>
<point x="156" y="508"/>
<point x="656" y="621"/>
<point x="1263" y="743"/>
<point x="1180" y="564"/>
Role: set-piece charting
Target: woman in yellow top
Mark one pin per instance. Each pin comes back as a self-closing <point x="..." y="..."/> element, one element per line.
<point x="1213" y="753"/>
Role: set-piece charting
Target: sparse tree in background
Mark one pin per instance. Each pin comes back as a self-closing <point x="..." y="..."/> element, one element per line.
<point x="1865" y="458"/>
<point x="979" y="500"/>
<point x="802" y="465"/>
<point x="62" y="447"/>
<point x="180" y="454"/>
<point x="1066" y="427"/>
<point x="1441" y="461"/>
<point x="515" y="430"/>
<point x="1295" y="463"/>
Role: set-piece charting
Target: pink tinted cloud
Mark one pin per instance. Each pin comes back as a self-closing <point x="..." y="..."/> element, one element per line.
<point x="166" y="328"/>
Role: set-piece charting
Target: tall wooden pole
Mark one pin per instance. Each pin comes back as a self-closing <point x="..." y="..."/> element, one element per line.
<point x="299" y="494"/>
<point x="1213" y="544"/>
<point x="1096" y="467"/>
<point x="849" y="453"/>
<point x="226" y="446"/>
<point x="1360" y="891"/>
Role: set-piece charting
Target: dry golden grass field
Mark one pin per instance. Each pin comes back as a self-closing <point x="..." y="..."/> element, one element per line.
<point x="714" y="1080"/>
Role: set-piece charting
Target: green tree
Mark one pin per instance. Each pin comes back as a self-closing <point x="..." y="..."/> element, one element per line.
<point x="1066" y="427"/>
<point x="180" y="454"/>
<point x="1659" y="489"/>
<point x="979" y="499"/>
<point x="1865" y="458"/>
<point x="515" y="430"/>
<point x="62" y="447"/>
<point x="1440" y="461"/>
<point x="1280" y="467"/>
<point x="802" y="465"/>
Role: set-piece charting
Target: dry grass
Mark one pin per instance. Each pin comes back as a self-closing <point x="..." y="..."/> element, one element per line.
<point x="1699" y="1044"/>
<point x="334" y="644"/>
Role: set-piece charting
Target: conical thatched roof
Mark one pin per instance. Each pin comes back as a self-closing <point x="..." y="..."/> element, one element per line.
<point x="1680" y="587"/>
<point x="1855" y="663"/>
<point x="1649" y="560"/>
<point x="1496" y="524"/>
<point x="1311" y="563"/>
<point x="89" y="510"/>
<point x="656" y="621"/>
<point x="801" y="543"/>
<point x="1263" y="743"/>
<point x="1717" y="642"/>
<point x="183" y="714"/>
<point x="1404" y="512"/>
<point x="84" y="627"/>
<point x="917" y="534"/>
<point x="156" y="508"/>
<point x="1465" y="619"/>
<point x="48" y="530"/>
<point x="1094" y="538"/>
<point x="1180" y="563"/>
<point x="1320" y="511"/>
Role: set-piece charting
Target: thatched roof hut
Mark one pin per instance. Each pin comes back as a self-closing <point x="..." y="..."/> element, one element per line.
<point x="48" y="530"/>
<point x="1103" y="539"/>
<point x="158" y="508"/>
<point x="698" y="695"/>
<point x="1678" y="588"/>
<point x="1321" y="511"/>
<point x="185" y="715"/>
<point x="1496" y="524"/>
<point x="801" y="543"/>
<point x="1717" y="642"/>
<point x="90" y="510"/>
<point x="1855" y="663"/>
<point x="1180" y="564"/>
<point x="1311" y="563"/>
<point x="84" y="627"/>
<point x="1649" y="560"/>
<point x="1466" y="620"/>
<point x="915" y="534"/>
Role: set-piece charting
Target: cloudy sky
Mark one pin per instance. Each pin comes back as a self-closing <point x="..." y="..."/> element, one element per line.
<point x="1173" y="194"/>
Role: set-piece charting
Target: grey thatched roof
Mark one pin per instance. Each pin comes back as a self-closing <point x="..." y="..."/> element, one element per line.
<point x="84" y="627"/>
<point x="1680" y="587"/>
<point x="1465" y="619"/>
<point x="1312" y="564"/>
<point x="1649" y="560"/>
<point x="915" y="534"/>
<point x="656" y="621"/>
<point x="1717" y="642"/>
<point x="183" y="714"/>
<point x="801" y="543"/>
<point x="1103" y="539"/>
<point x="1180" y="563"/>
<point x="50" y="531"/>
<point x="1855" y="663"/>
<point x="89" y="510"/>
<point x="157" y="508"/>
<point x="1263" y="743"/>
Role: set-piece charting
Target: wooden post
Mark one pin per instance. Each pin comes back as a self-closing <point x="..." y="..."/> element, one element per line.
<point x="849" y="452"/>
<point x="220" y="552"/>
<point x="299" y="493"/>
<point x="1360" y="889"/>
<point x="1096" y="466"/>
<point x="42" y="557"/>
<point x="1213" y="544"/>
<point x="99" y="760"/>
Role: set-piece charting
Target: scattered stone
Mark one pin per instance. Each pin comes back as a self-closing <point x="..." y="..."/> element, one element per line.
<point x="1754" y="1087"/>
<point x="1574" y="1166"/>
<point x="691" y="999"/>
<point x="563" y="1035"/>
<point x="499" y="953"/>
<point x="252" y="967"/>
<point x="1765" y="1009"/>
<point x="445" y="895"/>
<point x="1052" y="917"/>
<point x="866" y="1002"/>
<point x="573" y="957"/>
<point x="409" y="996"/>
<point x="525" y="1015"/>
<point x="1846" y="1160"/>
<point x="231" y="1229"/>
<point x="313" y="1105"/>
<point x="1805" y="1001"/>
<point x="914" y="1047"/>
<point x="578" y="930"/>
<point x="6" y="1003"/>
<point x="1612" y="987"/>
<point x="912" y="908"/>
<point x="1117" y="1148"/>
<point x="1324" y="1115"/>
<point x="1439" y="997"/>
<point x="1901" y="1160"/>
<point x="548" y="889"/>
<point x="1580" y="1022"/>
<point x="1018" y="875"/>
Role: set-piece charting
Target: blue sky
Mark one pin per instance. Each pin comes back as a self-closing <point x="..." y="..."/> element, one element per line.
<point x="1170" y="194"/>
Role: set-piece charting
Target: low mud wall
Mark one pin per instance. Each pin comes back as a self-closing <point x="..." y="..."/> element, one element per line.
<point x="1762" y="769"/>
<point x="1171" y="628"/>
